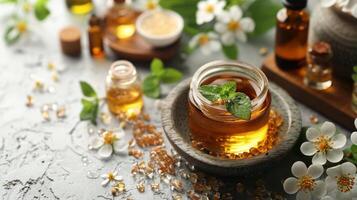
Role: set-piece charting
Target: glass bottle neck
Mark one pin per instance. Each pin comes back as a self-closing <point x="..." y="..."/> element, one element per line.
<point x="122" y="73"/>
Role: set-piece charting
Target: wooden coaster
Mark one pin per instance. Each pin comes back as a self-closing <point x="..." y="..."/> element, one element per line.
<point x="137" y="49"/>
<point x="334" y="102"/>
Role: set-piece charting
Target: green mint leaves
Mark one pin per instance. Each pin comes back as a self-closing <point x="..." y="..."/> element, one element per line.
<point x="159" y="74"/>
<point x="90" y="103"/>
<point x="354" y="75"/>
<point x="237" y="103"/>
<point x="41" y="10"/>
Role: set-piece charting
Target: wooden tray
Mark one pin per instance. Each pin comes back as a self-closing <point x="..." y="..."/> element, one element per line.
<point x="137" y="49"/>
<point x="334" y="102"/>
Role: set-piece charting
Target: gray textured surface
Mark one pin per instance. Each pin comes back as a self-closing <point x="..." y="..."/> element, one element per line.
<point x="50" y="160"/>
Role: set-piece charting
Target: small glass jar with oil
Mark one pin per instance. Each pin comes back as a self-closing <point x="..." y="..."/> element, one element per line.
<point x="80" y="7"/>
<point x="212" y="126"/>
<point x="124" y="94"/>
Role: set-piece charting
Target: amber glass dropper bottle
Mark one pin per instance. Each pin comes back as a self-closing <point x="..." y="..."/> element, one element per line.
<point x="291" y="35"/>
<point x="95" y="37"/>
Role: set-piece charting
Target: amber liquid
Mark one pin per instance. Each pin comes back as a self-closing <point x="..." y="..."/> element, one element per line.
<point x="120" y="21"/>
<point x="96" y="42"/>
<point x="125" y="100"/>
<point x="79" y="7"/>
<point x="222" y="137"/>
<point x="291" y="38"/>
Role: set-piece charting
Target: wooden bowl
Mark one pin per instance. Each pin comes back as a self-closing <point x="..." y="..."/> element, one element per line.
<point x="175" y="123"/>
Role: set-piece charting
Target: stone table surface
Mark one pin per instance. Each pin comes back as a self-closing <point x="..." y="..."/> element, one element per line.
<point x="50" y="159"/>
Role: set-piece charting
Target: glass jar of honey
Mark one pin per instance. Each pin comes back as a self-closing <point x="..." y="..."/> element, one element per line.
<point x="124" y="94"/>
<point x="215" y="129"/>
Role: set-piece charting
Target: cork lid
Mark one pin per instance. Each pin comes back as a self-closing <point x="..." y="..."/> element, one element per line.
<point x="70" y="39"/>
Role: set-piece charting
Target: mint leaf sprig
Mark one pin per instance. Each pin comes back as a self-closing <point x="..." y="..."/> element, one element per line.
<point x="159" y="74"/>
<point x="90" y="103"/>
<point x="354" y="74"/>
<point x="237" y="103"/>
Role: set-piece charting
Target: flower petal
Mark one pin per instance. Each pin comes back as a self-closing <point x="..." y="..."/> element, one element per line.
<point x="319" y="158"/>
<point x="312" y="133"/>
<point x="308" y="148"/>
<point x="348" y="168"/>
<point x="315" y="171"/>
<point x="227" y="38"/>
<point x="96" y="142"/>
<point x="105" y="151"/>
<point x="319" y="189"/>
<point x="120" y="146"/>
<point x="338" y="141"/>
<point x="331" y="183"/>
<point x="334" y="171"/>
<point x="235" y="13"/>
<point x="355" y="122"/>
<point x="328" y="129"/>
<point x="247" y="24"/>
<point x="291" y="185"/>
<point x="299" y="169"/>
<point x="334" y="155"/>
<point x="118" y="178"/>
<point x="354" y="138"/>
<point x="214" y="46"/>
<point x="328" y="3"/>
<point x="105" y="182"/>
<point x="303" y="195"/>
<point x="327" y="198"/>
<point x="205" y="49"/>
<point x="194" y="41"/>
<point x="241" y="36"/>
<point x="220" y="27"/>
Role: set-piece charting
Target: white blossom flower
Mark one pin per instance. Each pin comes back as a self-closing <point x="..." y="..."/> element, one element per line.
<point x="341" y="181"/>
<point x="349" y="6"/>
<point x="208" y="9"/>
<point x="110" y="177"/>
<point x="354" y="134"/>
<point x="206" y="42"/>
<point x="108" y="143"/>
<point x="147" y="4"/>
<point x="324" y="144"/>
<point x="305" y="184"/>
<point x="232" y="26"/>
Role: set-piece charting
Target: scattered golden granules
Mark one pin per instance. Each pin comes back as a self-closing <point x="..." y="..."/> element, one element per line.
<point x="165" y="162"/>
<point x="176" y="196"/>
<point x="105" y="118"/>
<point x="314" y="119"/>
<point x="176" y="185"/>
<point x="54" y="76"/>
<point x="155" y="187"/>
<point x="39" y="86"/>
<point x="29" y="101"/>
<point x="140" y="187"/>
<point x="263" y="51"/>
<point x="275" y="121"/>
<point x="136" y="153"/>
<point x="61" y="112"/>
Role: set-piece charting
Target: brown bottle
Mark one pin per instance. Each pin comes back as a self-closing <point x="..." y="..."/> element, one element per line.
<point x="95" y="37"/>
<point x="120" y="20"/>
<point x="291" y="35"/>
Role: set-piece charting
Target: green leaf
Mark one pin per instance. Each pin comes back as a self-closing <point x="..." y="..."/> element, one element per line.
<point x="228" y="90"/>
<point x="11" y="35"/>
<point x="89" y="110"/>
<point x="151" y="86"/>
<point x="354" y="149"/>
<point x="157" y="67"/>
<point x="87" y="89"/>
<point x="240" y="107"/>
<point x="263" y="12"/>
<point x="211" y="92"/>
<point x="355" y="69"/>
<point x="230" y="51"/>
<point x="41" y="10"/>
<point x="234" y="2"/>
<point x="8" y="1"/>
<point x="171" y="75"/>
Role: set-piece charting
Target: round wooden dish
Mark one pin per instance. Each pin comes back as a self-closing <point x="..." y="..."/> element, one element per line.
<point x="175" y="123"/>
<point x="135" y="48"/>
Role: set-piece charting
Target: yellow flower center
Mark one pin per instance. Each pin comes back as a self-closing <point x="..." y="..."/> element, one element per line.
<point x="111" y="176"/>
<point x="306" y="183"/>
<point x="26" y="7"/>
<point x="21" y="26"/>
<point x="209" y="8"/>
<point x="323" y="144"/>
<point x="109" y="137"/>
<point x="345" y="183"/>
<point x="233" y="25"/>
<point x="203" y="39"/>
<point x="150" y="5"/>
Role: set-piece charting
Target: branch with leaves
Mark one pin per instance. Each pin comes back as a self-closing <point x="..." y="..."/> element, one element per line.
<point x="90" y="103"/>
<point x="159" y="74"/>
<point x="18" y="23"/>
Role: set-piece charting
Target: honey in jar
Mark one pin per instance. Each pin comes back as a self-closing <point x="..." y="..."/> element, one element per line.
<point x="124" y="94"/>
<point x="212" y="126"/>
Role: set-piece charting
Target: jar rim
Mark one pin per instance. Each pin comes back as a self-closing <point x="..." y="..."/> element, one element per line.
<point x="214" y="67"/>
